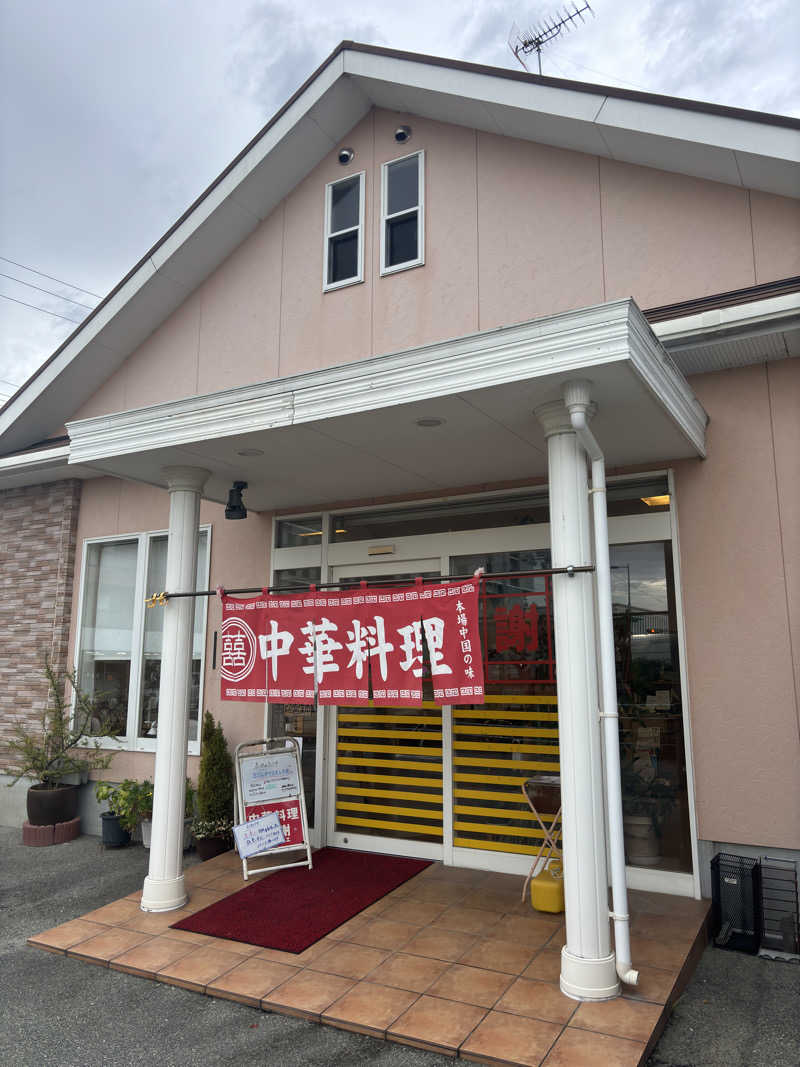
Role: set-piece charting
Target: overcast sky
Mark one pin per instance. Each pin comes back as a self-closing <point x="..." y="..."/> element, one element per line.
<point x="115" y="115"/>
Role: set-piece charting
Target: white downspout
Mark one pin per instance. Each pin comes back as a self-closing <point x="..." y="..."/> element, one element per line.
<point x="578" y="402"/>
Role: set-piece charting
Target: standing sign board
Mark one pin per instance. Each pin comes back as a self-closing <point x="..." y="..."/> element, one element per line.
<point x="269" y="795"/>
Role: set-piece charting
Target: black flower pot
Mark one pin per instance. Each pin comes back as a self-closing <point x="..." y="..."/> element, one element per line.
<point x="113" y="836"/>
<point x="47" y="805"/>
<point x="209" y="847"/>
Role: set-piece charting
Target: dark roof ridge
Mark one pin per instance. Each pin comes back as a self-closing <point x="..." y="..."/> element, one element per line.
<point x="715" y="301"/>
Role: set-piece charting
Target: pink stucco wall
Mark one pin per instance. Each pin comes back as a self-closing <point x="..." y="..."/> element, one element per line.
<point x="239" y="557"/>
<point x="514" y="230"/>
<point x="739" y="522"/>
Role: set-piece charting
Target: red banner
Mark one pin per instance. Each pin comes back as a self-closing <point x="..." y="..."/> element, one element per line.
<point x="353" y="646"/>
<point x="288" y="811"/>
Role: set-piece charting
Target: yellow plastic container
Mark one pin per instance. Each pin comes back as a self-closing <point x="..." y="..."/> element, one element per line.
<point x="547" y="889"/>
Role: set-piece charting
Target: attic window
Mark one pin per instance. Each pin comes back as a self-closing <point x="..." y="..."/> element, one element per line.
<point x="344" y="232"/>
<point x="402" y="213"/>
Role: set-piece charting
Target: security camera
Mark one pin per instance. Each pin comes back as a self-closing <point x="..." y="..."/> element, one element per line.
<point x="345" y="156"/>
<point x="402" y="134"/>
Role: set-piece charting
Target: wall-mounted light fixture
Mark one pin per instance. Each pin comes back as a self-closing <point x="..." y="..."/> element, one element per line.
<point x="235" y="508"/>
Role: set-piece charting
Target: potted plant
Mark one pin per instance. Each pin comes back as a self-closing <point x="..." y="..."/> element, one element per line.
<point x="58" y="750"/>
<point x="127" y="801"/>
<point x="147" y="815"/>
<point x="213" y="824"/>
<point x="647" y="800"/>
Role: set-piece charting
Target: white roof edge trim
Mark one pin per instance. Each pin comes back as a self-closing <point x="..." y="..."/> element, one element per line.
<point x="665" y="381"/>
<point x="690" y="124"/>
<point x="705" y="326"/>
<point x="568" y="343"/>
<point x="32" y="461"/>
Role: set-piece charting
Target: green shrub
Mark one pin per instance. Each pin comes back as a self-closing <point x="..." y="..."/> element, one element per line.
<point x="60" y="744"/>
<point x="215" y="782"/>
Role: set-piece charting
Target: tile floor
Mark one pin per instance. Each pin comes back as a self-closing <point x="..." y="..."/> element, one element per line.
<point x="451" y="961"/>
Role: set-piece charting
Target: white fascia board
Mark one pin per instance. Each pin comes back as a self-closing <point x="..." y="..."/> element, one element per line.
<point x="33" y="461"/>
<point x="568" y="343"/>
<point x="38" y="468"/>
<point x="778" y="176"/>
<point x="573" y="134"/>
<point x="473" y="85"/>
<point x="691" y="158"/>
<point x="203" y="418"/>
<point x="719" y="136"/>
<point x="701" y="127"/>
<point x="663" y="379"/>
<point x="775" y="313"/>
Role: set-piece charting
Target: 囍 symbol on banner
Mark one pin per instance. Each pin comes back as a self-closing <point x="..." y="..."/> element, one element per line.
<point x="238" y="650"/>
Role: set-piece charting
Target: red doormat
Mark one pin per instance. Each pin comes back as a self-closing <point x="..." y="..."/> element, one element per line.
<point x="291" y="909"/>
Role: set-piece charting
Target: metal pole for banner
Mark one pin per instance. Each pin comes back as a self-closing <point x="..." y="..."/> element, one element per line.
<point x="264" y="747"/>
<point x="160" y="599"/>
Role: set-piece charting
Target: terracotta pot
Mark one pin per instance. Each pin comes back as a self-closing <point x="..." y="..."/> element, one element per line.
<point x="47" y="806"/>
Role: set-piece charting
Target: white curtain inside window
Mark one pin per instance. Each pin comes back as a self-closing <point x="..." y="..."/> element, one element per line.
<point x="109" y="594"/>
<point x="153" y="636"/>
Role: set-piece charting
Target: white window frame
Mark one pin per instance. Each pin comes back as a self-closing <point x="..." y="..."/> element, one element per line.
<point x="131" y="742"/>
<point x="420" y="209"/>
<point x="327" y="286"/>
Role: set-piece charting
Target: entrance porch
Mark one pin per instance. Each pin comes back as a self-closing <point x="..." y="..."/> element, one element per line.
<point x="451" y="961"/>
<point x="516" y="404"/>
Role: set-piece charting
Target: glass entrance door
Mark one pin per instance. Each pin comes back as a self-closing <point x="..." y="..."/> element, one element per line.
<point x="447" y="783"/>
<point x="386" y="789"/>
<point x="513" y="735"/>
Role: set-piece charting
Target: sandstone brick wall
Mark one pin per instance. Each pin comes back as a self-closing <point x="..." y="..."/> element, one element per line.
<point x="38" y="537"/>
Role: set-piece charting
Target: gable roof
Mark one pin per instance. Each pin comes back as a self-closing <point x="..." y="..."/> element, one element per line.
<point x="729" y="145"/>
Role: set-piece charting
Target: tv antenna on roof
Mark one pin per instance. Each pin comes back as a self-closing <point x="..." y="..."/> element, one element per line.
<point x="535" y="39"/>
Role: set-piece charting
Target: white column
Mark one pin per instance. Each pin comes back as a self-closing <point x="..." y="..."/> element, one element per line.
<point x="587" y="963"/>
<point x="163" y="887"/>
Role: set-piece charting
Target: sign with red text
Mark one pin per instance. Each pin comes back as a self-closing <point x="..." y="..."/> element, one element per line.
<point x="354" y="646"/>
<point x="287" y="811"/>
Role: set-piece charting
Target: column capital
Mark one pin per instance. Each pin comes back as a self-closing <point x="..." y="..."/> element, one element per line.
<point x="185" y="478"/>
<point x="554" y="417"/>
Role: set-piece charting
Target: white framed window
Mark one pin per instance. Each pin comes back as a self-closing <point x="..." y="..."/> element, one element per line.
<point x="118" y="643"/>
<point x="344" y="232"/>
<point x="403" y="213"/>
